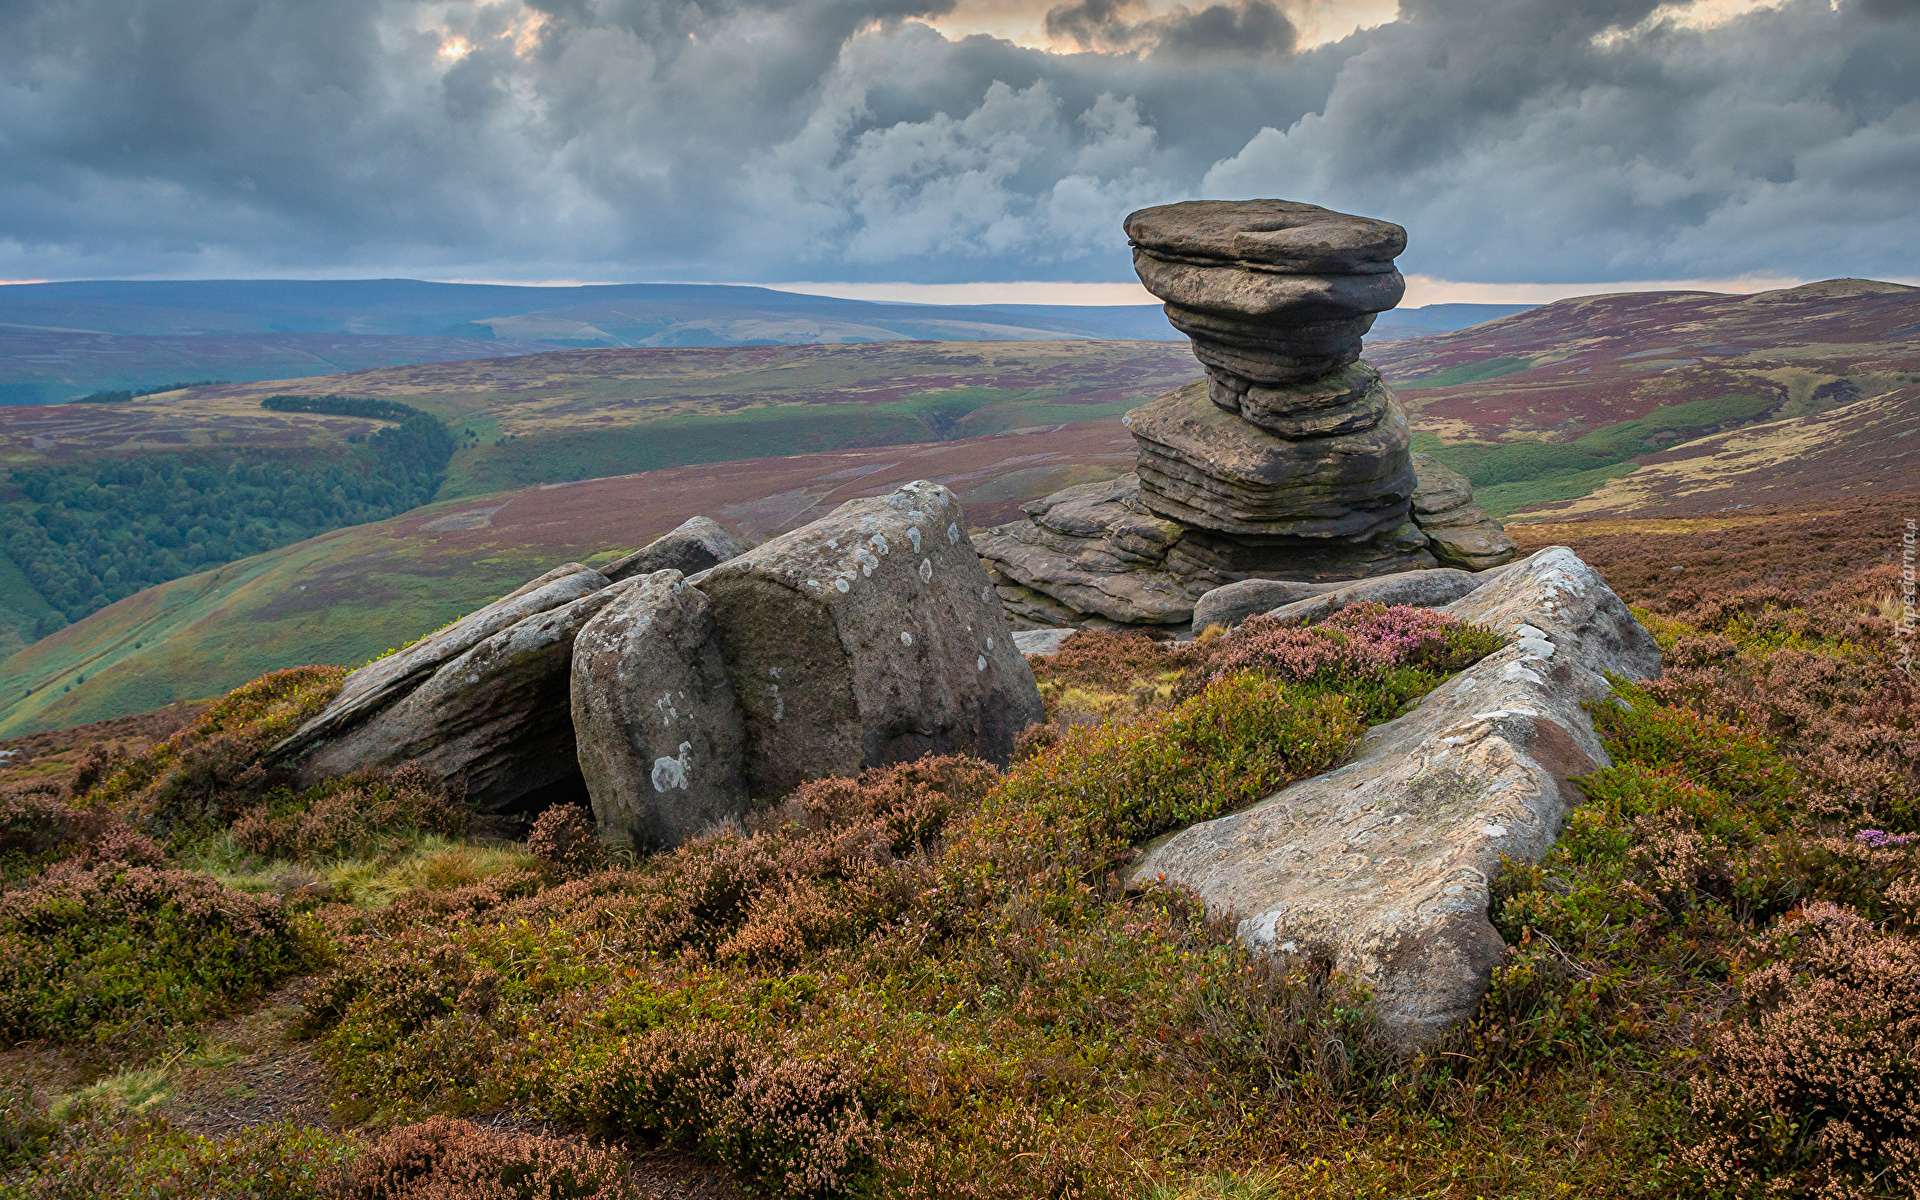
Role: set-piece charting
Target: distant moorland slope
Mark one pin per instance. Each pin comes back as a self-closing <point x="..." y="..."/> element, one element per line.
<point x="1547" y="407"/>
<point x="346" y="596"/>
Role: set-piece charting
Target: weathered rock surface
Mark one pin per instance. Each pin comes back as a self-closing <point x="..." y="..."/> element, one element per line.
<point x="1459" y="531"/>
<point x="385" y="681"/>
<point x="691" y="547"/>
<point x="1279" y="235"/>
<point x="658" y="728"/>
<point x="1096" y="552"/>
<point x="1381" y="868"/>
<point x="1043" y="642"/>
<point x="1203" y="466"/>
<point x="495" y="719"/>
<point x="870" y="636"/>
<point x="1420" y="589"/>
<point x="1233" y="603"/>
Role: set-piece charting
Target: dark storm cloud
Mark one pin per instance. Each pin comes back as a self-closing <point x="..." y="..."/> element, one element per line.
<point x="766" y="139"/>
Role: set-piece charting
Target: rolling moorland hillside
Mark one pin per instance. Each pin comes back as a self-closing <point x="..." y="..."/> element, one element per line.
<point x="1552" y="405"/>
<point x="1844" y="361"/>
<point x="546" y="418"/>
<point x="899" y="986"/>
<point x="64" y="340"/>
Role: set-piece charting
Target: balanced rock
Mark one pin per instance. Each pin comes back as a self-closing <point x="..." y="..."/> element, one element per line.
<point x="694" y="545"/>
<point x="1289" y="461"/>
<point x="1381" y="869"/>
<point x="870" y="636"/>
<point x="1269" y="290"/>
<point x="658" y="728"/>
<point x="1459" y="531"/>
<point x="494" y="719"/>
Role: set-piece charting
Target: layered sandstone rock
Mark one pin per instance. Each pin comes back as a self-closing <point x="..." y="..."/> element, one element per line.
<point x="1289" y="461"/>
<point x="1381" y="868"/>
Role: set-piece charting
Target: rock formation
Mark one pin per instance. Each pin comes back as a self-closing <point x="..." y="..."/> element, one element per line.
<point x="870" y="636"/>
<point x="1288" y="461"/>
<point x="492" y="718"/>
<point x="1381" y="868"/>
<point x="657" y="725"/>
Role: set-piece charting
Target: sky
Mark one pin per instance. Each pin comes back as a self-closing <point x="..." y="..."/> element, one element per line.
<point x="954" y="150"/>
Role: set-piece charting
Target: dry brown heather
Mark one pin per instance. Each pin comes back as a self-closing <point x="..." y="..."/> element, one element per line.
<point x="926" y="982"/>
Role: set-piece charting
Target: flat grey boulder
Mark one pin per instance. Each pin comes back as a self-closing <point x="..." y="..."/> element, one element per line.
<point x="1228" y="606"/>
<point x="658" y="730"/>
<point x="1279" y="235"/>
<point x="386" y="681"/>
<point x="870" y="636"/>
<point x="494" y="720"/>
<point x="1421" y="589"/>
<point x="689" y="548"/>
<point x="1381" y="868"/>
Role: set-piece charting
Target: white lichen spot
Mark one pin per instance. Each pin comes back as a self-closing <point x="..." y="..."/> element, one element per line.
<point x="833" y="543"/>
<point x="672" y="772"/>
<point x="986" y="594"/>
<point x="913" y="535"/>
<point x="926" y="570"/>
<point x="953" y="533"/>
<point x="880" y="544"/>
<point x="773" y="672"/>
<point x="906" y="638"/>
<point x="1453" y="889"/>
<point x="840" y="585"/>
<point x="1289" y="948"/>
<point x="664" y="706"/>
<point x="1495" y="831"/>
<point x="867" y="561"/>
<point x="989" y="643"/>
<point x="473" y="679"/>
<point x="980" y="664"/>
<point x="779" y="705"/>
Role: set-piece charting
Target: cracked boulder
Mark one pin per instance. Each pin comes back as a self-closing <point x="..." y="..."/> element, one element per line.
<point x="493" y="719"/>
<point x="870" y="636"/>
<point x="658" y="729"/>
<point x="1381" y="868"/>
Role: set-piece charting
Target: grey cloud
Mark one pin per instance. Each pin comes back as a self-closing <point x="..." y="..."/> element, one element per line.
<point x="769" y="139"/>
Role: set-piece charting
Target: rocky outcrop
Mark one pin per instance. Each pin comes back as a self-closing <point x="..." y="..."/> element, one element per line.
<point x="1419" y="589"/>
<point x="1459" y="532"/>
<point x="1095" y="555"/>
<point x="691" y="547"/>
<point x="1288" y="461"/>
<point x="658" y="729"/>
<point x="494" y="719"/>
<point x="870" y="636"/>
<point x="1381" y="868"/>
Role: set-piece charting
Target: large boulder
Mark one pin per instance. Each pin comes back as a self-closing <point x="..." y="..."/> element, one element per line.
<point x="385" y="681"/>
<point x="1381" y="868"/>
<point x="493" y="720"/>
<point x="1203" y="466"/>
<point x="870" y="636"/>
<point x="658" y="729"/>
<point x="689" y="548"/>
<point x="1419" y="589"/>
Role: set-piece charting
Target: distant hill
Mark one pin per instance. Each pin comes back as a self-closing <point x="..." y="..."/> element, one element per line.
<point x="1548" y="406"/>
<point x="62" y="340"/>
<point x="346" y="596"/>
